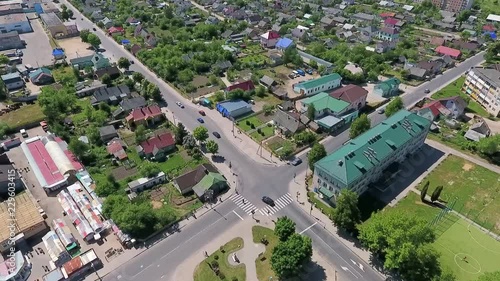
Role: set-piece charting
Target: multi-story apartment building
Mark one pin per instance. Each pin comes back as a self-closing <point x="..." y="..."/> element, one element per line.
<point x="363" y="160"/>
<point x="451" y="5"/>
<point x="483" y="85"/>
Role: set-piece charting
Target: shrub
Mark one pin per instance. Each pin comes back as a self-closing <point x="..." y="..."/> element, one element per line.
<point x="247" y="122"/>
<point x="222" y="276"/>
<point x="216" y="257"/>
<point x="215" y="264"/>
<point x="234" y="279"/>
<point x="252" y="126"/>
<point x="259" y="131"/>
<point x="221" y="249"/>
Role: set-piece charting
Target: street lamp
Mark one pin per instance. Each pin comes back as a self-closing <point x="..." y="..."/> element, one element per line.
<point x="92" y="265"/>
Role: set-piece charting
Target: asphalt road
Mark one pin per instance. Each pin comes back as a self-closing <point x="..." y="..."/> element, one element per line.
<point x="255" y="180"/>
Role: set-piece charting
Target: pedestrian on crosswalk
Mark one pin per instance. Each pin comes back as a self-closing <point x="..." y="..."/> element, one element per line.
<point x="243" y="201"/>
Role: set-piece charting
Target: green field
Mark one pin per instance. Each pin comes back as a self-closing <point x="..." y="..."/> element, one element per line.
<point x="267" y="132"/>
<point x="25" y="115"/>
<point x="474" y="188"/>
<point x="252" y="119"/>
<point x="263" y="262"/>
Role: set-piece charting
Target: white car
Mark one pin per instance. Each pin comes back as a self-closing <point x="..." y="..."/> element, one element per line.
<point x="179" y="104"/>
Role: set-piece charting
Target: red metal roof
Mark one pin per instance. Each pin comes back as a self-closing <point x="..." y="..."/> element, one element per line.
<point x="73" y="265"/>
<point x="245" y="86"/>
<point x="116" y="148"/>
<point x="489" y="27"/>
<point x="45" y="163"/>
<point x="448" y="51"/>
<point x="144" y="113"/>
<point x="72" y="158"/>
<point x="387" y="14"/>
<point x="115" y="29"/>
<point x="391" y="21"/>
<point x="271" y="35"/>
<point x="159" y="141"/>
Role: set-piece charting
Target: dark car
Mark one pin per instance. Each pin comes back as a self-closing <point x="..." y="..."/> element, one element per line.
<point x="296" y="161"/>
<point x="381" y="111"/>
<point x="201" y="112"/>
<point x="427" y="91"/>
<point x="217" y="135"/>
<point x="268" y="201"/>
<point x="200" y="120"/>
<point x="94" y="29"/>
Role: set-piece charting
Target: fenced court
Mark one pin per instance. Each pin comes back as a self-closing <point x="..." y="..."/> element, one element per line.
<point x="465" y="249"/>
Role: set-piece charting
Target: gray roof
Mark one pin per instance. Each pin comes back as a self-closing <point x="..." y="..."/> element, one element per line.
<point x="287" y="120"/>
<point x="106" y="94"/>
<point x="107" y="131"/>
<point x="490" y="74"/>
<point x="266" y="80"/>
<point x="234" y="105"/>
<point x="416" y="71"/>
<point x="51" y="19"/>
<point x="132" y="103"/>
<point x="363" y="16"/>
<point x="13" y="18"/>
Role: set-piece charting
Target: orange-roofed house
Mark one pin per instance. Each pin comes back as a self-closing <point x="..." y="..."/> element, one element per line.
<point x="146" y="116"/>
<point x="116" y="30"/>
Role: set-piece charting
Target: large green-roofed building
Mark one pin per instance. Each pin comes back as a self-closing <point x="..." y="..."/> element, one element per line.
<point x="324" y="104"/>
<point x="362" y="160"/>
<point x="322" y="84"/>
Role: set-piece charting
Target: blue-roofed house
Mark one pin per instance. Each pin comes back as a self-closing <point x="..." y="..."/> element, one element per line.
<point x="233" y="108"/>
<point x="284" y="43"/>
<point x="41" y="76"/>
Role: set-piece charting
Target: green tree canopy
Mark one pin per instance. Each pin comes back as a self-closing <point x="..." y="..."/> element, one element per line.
<point x="394" y="106"/>
<point x="106" y="79"/>
<point x="180" y="133"/>
<point x="289" y="257"/>
<point x="189" y="142"/>
<point x="123" y="63"/>
<point x="4" y="129"/>
<point x="304" y="137"/>
<point x="311" y="112"/>
<point x="78" y="147"/>
<point x="346" y="214"/>
<point x="93" y="40"/>
<point x="284" y="228"/>
<point x="490" y="276"/>
<point x="56" y="104"/>
<point x="140" y="134"/>
<point x="149" y="169"/>
<point x="84" y="35"/>
<point x="359" y="126"/>
<point x="138" y="77"/>
<point x="212" y="147"/>
<point x="200" y="133"/>
<point x="317" y="152"/>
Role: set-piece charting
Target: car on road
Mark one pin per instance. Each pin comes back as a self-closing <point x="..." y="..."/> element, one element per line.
<point x="309" y="71"/>
<point x="217" y="135"/>
<point x="427" y="91"/>
<point x="200" y="120"/>
<point x="295" y="161"/>
<point x="179" y="104"/>
<point x="94" y="29"/>
<point x="201" y="112"/>
<point x="268" y="201"/>
<point x="381" y="111"/>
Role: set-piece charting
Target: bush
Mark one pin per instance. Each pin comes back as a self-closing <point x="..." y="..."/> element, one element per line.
<point x="222" y="276"/>
<point x="259" y="131"/>
<point x="216" y="257"/>
<point x="247" y="122"/>
<point x="252" y="126"/>
<point x="215" y="264"/>
<point x="234" y="279"/>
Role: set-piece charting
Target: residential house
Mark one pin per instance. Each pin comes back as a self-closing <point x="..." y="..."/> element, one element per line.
<point x="116" y="30"/>
<point x="245" y="86"/>
<point x="157" y="147"/>
<point x="287" y="123"/>
<point x="431" y="67"/>
<point x="185" y="183"/>
<point x="339" y="20"/>
<point x="385" y="15"/>
<point x="116" y="147"/>
<point x="269" y="39"/>
<point x="253" y="19"/>
<point x="443" y="50"/>
<point x="417" y="73"/>
<point x="135" y="49"/>
<point x="97" y="15"/>
<point x="113" y="71"/>
<point x="388" y="88"/>
<point x="56" y="27"/>
<point x="267" y="81"/>
<point x="13" y="81"/>
<point x="449" y="108"/>
<point x="363" y="17"/>
<point x="437" y="41"/>
<point x="147" y="116"/>
<point x="110" y="95"/>
<point x="222" y="65"/>
<point x="212" y="20"/>
<point x="226" y="34"/>
<point x="362" y="161"/>
<point x="353" y="94"/>
<point x="327" y="22"/>
<point x="324" y="104"/>
<point x="96" y="61"/>
<point x="10" y="40"/>
<point x="128" y="104"/>
<point x="322" y="84"/>
<point x="329" y="43"/>
<point x="392" y="23"/>
<point x="108" y="133"/>
<point x="210" y="186"/>
<point x="483" y="86"/>
<point x="463" y="45"/>
<point x="284" y="43"/>
<point x="300" y="32"/>
<point x="264" y="24"/>
<point x="107" y="22"/>
<point x="366" y="33"/>
<point x="149" y="38"/>
<point x="478" y="130"/>
<point x="41" y="76"/>
<point x="251" y="33"/>
<point x="133" y="21"/>
<point x="385" y="46"/>
<point x="388" y="34"/>
<point x="141" y="184"/>
<point x="233" y="109"/>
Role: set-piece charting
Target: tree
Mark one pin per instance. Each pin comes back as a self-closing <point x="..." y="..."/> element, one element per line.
<point x="288" y="257"/>
<point x="65" y="14"/>
<point x="359" y="126"/>
<point x="394" y="106"/>
<point x="284" y="228"/>
<point x="489" y="146"/>
<point x="307" y="9"/>
<point x="4" y="129"/>
<point x="123" y="63"/>
<point x="404" y="240"/>
<point x="346" y="214"/>
<point x="268" y="109"/>
<point x="423" y="193"/>
<point x="212" y="147"/>
<point x="311" y="112"/>
<point x="317" y="152"/>
<point x="3" y="90"/>
<point x="149" y="169"/>
<point x="463" y="16"/>
<point x="214" y="81"/>
<point x="490" y="276"/>
<point x="292" y="56"/>
<point x="106" y="79"/>
<point x="492" y="52"/>
<point x="138" y="77"/>
<point x="286" y="150"/>
<point x="78" y="147"/>
<point x="154" y="92"/>
<point x="4" y="59"/>
<point x="188" y="142"/>
<point x="304" y="138"/>
<point x="84" y="35"/>
<point x="260" y="91"/>
<point x="180" y="133"/>
<point x="93" y="40"/>
<point x="56" y="105"/>
<point x="437" y="192"/>
<point x="140" y="134"/>
<point x="200" y="133"/>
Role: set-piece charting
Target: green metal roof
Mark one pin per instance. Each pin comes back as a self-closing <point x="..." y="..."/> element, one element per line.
<point x="39" y="71"/>
<point x="209" y="180"/>
<point x="323" y="100"/>
<point x="319" y="81"/>
<point x="362" y="154"/>
<point x="389" y="84"/>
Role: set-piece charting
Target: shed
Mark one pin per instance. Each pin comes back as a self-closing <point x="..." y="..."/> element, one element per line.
<point x="233" y="108"/>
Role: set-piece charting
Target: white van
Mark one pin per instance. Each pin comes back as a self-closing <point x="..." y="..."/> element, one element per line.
<point x="23" y="133"/>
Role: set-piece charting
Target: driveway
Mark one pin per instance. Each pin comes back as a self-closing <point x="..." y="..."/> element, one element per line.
<point x="38" y="51"/>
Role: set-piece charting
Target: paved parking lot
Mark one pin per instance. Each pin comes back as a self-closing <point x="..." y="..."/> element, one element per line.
<point x="38" y="51"/>
<point x="53" y="209"/>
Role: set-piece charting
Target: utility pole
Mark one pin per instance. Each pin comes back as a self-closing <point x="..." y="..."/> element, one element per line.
<point x="335" y="275"/>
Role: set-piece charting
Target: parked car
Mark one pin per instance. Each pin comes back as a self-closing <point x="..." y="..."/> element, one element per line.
<point x="23" y="133"/>
<point x="200" y="120"/>
<point x="94" y="29"/>
<point x="427" y="91"/>
<point x="295" y="161"/>
<point x="179" y="104"/>
<point x="381" y="111"/>
<point x="309" y="71"/>
<point x="268" y="201"/>
<point x="217" y="135"/>
<point x="301" y="72"/>
<point x="291" y="76"/>
<point x="201" y="112"/>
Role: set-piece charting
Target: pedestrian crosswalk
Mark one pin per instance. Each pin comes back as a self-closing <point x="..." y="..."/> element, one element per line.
<point x="280" y="203"/>
<point x="243" y="203"/>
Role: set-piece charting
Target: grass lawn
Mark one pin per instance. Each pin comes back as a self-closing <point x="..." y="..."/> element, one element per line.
<point x="179" y="204"/>
<point x="252" y="119"/>
<point x="474" y="188"/>
<point x="27" y="114"/>
<point x="255" y="59"/>
<point x="454" y="89"/>
<point x="64" y="75"/>
<point x="268" y="99"/>
<point x="266" y="130"/>
<point x="203" y="272"/>
<point x="263" y="262"/>
<point x="456" y="240"/>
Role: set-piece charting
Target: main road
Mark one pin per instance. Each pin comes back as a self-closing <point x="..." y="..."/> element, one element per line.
<point x="254" y="180"/>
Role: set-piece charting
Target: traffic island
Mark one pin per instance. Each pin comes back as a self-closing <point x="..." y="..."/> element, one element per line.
<point x="221" y="265"/>
<point x="265" y="236"/>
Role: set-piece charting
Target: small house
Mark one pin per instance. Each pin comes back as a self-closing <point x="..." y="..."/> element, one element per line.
<point x="267" y="81"/>
<point x="388" y="88"/>
<point x="269" y="39"/>
<point x="245" y="86"/>
<point x="185" y="183"/>
<point x="146" y="116"/>
<point x="116" y="147"/>
<point x="233" y="109"/>
<point x="443" y="50"/>
<point x="157" y="147"/>
<point x="287" y="123"/>
<point x="13" y="81"/>
<point x="210" y="186"/>
<point x="284" y="43"/>
<point x="41" y="76"/>
<point x="116" y="30"/>
<point x="353" y="94"/>
<point x="108" y="133"/>
<point x="324" y="104"/>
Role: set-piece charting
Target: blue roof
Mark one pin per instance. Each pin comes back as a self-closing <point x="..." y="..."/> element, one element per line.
<point x="57" y="52"/>
<point x="233" y="105"/>
<point x="125" y="41"/>
<point x="284" y="43"/>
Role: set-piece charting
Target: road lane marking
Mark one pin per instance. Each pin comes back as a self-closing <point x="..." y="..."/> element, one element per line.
<point x="237" y="215"/>
<point x="308" y="228"/>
